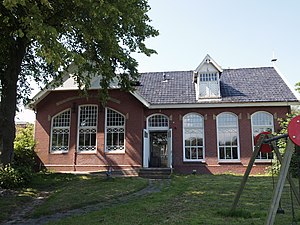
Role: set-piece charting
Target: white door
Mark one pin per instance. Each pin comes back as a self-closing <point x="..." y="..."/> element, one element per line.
<point x="170" y="148"/>
<point x="146" y="149"/>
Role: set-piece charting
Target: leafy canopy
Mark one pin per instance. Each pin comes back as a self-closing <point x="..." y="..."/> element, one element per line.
<point x="97" y="36"/>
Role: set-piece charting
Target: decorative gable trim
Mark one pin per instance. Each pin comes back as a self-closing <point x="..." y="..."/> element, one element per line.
<point x="208" y="60"/>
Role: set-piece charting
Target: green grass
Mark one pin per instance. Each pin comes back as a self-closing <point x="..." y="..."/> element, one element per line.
<point x="192" y="199"/>
<point x="68" y="191"/>
<point x="200" y="199"/>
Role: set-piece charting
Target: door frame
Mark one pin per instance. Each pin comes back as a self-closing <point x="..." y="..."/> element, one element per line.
<point x="146" y="140"/>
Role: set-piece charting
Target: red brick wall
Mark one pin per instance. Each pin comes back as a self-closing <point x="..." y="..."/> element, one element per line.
<point x="58" y="101"/>
<point x="136" y="115"/>
<point x="211" y="164"/>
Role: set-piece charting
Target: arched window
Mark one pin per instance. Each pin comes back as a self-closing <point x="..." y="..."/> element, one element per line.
<point x="114" y="131"/>
<point x="228" y="137"/>
<point x="60" y="131"/>
<point x="87" y="128"/>
<point x="193" y="136"/>
<point x="262" y="121"/>
<point x="158" y="122"/>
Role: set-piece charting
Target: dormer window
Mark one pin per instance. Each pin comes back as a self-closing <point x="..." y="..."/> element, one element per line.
<point x="209" y="85"/>
<point x="207" y="79"/>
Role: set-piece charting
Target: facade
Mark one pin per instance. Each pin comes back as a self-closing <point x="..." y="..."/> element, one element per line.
<point x="202" y="120"/>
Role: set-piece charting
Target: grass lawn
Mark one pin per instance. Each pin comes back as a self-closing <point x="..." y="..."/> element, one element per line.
<point x="192" y="199"/>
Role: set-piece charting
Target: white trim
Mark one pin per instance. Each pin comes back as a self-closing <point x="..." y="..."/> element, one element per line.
<point x="140" y="98"/>
<point x="105" y="133"/>
<point x="238" y="139"/>
<point x="221" y="105"/>
<point x="157" y="128"/>
<point x="253" y="114"/>
<point x="297" y="95"/>
<point x="183" y="139"/>
<point x="66" y="151"/>
<point x="78" y="127"/>
<point x="208" y="59"/>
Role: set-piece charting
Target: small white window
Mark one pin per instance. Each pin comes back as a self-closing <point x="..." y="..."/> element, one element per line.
<point x="209" y="85"/>
<point x="158" y="121"/>
<point x="87" y="128"/>
<point x="114" y="131"/>
<point x="228" y="137"/>
<point x="262" y="121"/>
<point x="193" y="136"/>
<point x="60" y="131"/>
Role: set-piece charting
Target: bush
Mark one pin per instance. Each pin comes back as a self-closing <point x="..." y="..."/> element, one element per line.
<point x="20" y="171"/>
<point x="11" y="178"/>
<point x="24" y="155"/>
<point x="281" y="143"/>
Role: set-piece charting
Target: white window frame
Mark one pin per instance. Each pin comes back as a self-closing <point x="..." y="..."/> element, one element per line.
<point x="120" y="149"/>
<point x="64" y="128"/>
<point x="237" y="134"/>
<point x="196" y="146"/>
<point x="262" y="128"/>
<point x="208" y="80"/>
<point x="94" y="147"/>
<point x="158" y="128"/>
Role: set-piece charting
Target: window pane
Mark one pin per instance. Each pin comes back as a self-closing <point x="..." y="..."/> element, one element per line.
<point x="262" y="121"/>
<point x="60" y="131"/>
<point x="88" y="119"/>
<point x="193" y="134"/>
<point x="115" y="130"/>
<point x="227" y="125"/>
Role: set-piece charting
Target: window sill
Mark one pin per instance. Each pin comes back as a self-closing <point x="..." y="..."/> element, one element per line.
<point x="115" y="152"/>
<point x="86" y="152"/>
<point x="229" y="161"/>
<point x="58" y="152"/>
<point x="263" y="161"/>
<point x="194" y="161"/>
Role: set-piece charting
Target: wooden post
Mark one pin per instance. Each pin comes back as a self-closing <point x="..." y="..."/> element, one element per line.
<point x="281" y="180"/>
<point x="293" y="185"/>
<point x="247" y="172"/>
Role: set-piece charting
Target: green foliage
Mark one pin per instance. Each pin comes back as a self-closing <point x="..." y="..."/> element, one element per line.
<point x="298" y="87"/>
<point x="11" y="178"/>
<point x="24" y="155"/>
<point x="97" y="37"/>
<point x="20" y="171"/>
<point x="281" y="143"/>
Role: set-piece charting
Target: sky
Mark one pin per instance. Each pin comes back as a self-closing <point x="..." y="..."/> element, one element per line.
<point x="235" y="33"/>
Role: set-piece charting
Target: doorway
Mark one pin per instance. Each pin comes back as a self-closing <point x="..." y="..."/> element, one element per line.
<point x="158" y="149"/>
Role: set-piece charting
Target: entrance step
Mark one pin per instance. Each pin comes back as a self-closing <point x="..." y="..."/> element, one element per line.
<point x="155" y="173"/>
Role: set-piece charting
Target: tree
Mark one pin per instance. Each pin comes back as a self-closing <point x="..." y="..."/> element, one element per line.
<point x="298" y="87"/>
<point x="41" y="38"/>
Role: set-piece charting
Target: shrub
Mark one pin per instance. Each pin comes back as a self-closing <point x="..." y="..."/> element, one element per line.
<point x="11" y="178"/>
<point x="24" y="155"/>
<point x="281" y="143"/>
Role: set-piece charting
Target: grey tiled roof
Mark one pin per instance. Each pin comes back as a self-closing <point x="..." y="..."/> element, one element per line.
<point x="262" y="84"/>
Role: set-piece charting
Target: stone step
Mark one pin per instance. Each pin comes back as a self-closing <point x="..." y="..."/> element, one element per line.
<point x="155" y="173"/>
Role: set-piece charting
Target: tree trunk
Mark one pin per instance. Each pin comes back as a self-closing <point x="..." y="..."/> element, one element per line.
<point x="8" y="105"/>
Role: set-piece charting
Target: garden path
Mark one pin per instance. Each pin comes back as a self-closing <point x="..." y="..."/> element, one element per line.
<point x="19" y="217"/>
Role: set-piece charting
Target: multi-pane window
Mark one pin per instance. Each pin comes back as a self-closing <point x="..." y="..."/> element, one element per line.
<point x="209" y="86"/>
<point x="115" y="131"/>
<point x="60" y="131"/>
<point x="262" y="121"/>
<point x="193" y="136"/>
<point x="158" y="121"/>
<point x="87" y="127"/>
<point x="228" y="141"/>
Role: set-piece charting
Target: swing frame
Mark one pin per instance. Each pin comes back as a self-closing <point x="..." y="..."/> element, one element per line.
<point x="285" y="164"/>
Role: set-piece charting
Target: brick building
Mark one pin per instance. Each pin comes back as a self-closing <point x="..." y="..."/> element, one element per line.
<point x="203" y="120"/>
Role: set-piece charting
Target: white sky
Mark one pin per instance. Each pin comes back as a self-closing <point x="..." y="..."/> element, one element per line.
<point x="234" y="33"/>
